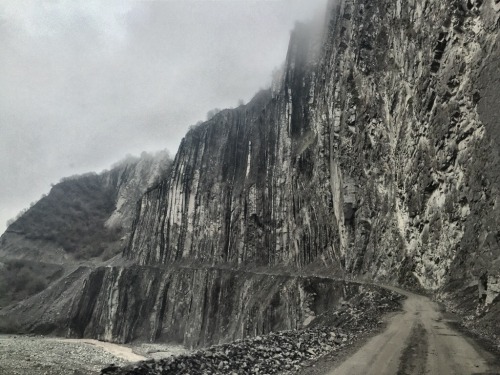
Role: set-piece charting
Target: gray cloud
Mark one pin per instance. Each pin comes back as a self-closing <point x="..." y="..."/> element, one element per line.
<point x="82" y="83"/>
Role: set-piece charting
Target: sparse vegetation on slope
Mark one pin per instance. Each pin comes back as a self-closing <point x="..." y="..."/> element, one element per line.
<point x="20" y="279"/>
<point x="72" y="216"/>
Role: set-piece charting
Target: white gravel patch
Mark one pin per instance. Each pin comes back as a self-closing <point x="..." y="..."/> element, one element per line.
<point x="36" y="355"/>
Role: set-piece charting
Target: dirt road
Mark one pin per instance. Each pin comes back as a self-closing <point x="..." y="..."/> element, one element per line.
<point x="119" y="351"/>
<point x="418" y="341"/>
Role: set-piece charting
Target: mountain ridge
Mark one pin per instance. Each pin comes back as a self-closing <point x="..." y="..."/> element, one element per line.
<point x="84" y="219"/>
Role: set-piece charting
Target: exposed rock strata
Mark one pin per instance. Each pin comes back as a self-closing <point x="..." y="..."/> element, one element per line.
<point x="282" y="352"/>
<point x="378" y="155"/>
<point x="248" y="186"/>
<point x="190" y="306"/>
<point x="375" y="154"/>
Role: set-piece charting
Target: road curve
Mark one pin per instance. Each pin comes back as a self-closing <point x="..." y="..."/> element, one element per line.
<point x="418" y="341"/>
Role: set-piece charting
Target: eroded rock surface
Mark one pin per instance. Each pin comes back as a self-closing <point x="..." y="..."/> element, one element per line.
<point x="377" y="155"/>
<point x="373" y="155"/>
<point x="194" y="307"/>
<point x="283" y="352"/>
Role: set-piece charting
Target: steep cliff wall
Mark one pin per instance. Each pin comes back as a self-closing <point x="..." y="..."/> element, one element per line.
<point x="199" y="307"/>
<point x="189" y="306"/>
<point x="375" y="155"/>
<point x="249" y="186"/>
<point x="410" y="132"/>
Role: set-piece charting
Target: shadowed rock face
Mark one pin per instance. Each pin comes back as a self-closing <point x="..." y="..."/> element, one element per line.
<point x="195" y="307"/>
<point x="248" y="186"/>
<point x="375" y="154"/>
<point x="198" y="307"/>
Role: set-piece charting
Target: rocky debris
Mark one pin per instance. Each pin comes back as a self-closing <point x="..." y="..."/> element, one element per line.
<point x="283" y="352"/>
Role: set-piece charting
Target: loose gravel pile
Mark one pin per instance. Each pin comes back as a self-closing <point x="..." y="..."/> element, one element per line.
<point x="30" y="355"/>
<point x="282" y="352"/>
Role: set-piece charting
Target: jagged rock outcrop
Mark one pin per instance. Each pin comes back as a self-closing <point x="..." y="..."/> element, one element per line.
<point x="378" y="154"/>
<point x="249" y="186"/>
<point x="418" y="138"/>
<point x="374" y="155"/>
<point x="134" y="177"/>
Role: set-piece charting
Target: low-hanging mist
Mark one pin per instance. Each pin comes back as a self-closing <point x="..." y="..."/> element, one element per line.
<point x="84" y="83"/>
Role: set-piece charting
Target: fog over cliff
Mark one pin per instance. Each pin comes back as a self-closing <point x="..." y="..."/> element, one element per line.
<point x="372" y="158"/>
<point x="84" y="83"/>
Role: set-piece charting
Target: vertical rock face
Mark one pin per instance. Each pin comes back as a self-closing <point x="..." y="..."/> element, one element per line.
<point x="411" y="137"/>
<point x="194" y="307"/>
<point x="198" y="307"/>
<point x="376" y="153"/>
<point x="249" y="186"/>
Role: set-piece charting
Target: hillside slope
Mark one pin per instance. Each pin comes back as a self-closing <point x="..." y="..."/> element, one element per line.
<point x="83" y="219"/>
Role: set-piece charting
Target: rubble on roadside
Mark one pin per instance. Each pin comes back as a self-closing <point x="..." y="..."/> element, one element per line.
<point x="281" y="352"/>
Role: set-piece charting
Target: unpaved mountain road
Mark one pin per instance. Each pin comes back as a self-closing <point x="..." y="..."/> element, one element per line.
<point x="419" y="341"/>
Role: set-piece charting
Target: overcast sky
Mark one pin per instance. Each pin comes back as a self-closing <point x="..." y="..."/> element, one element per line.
<point x="83" y="83"/>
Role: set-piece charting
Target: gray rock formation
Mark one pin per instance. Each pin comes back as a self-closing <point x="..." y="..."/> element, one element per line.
<point x="195" y="307"/>
<point x="374" y="155"/>
<point x="249" y="187"/>
<point x="134" y="176"/>
<point x="283" y="352"/>
<point x="378" y="154"/>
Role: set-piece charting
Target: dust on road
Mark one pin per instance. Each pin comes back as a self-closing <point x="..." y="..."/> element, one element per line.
<point x="419" y="341"/>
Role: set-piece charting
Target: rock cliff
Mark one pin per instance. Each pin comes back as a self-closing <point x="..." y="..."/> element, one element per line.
<point x="375" y="155"/>
<point x="192" y="306"/>
<point x="250" y="186"/>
